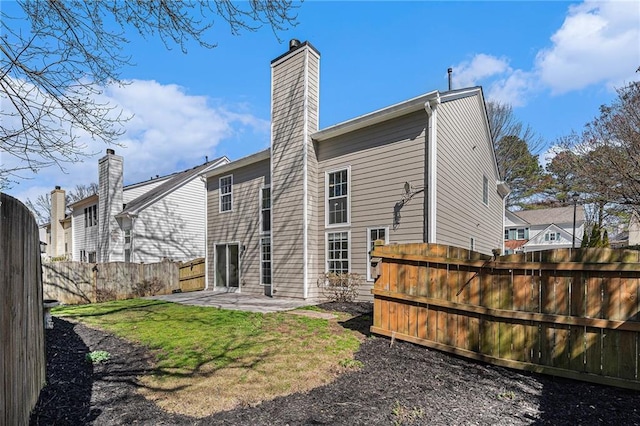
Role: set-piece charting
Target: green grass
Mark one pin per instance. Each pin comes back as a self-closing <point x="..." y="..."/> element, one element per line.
<point x="250" y="356"/>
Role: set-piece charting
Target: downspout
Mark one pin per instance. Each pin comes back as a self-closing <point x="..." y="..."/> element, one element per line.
<point x="206" y="232"/>
<point x="305" y="189"/>
<point x="431" y="153"/>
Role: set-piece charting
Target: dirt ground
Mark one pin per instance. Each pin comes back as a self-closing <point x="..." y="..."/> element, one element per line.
<point x="399" y="383"/>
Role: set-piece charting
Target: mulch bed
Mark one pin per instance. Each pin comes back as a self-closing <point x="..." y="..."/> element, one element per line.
<point x="399" y="383"/>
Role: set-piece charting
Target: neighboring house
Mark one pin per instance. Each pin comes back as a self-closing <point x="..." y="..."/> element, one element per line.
<point x="162" y="218"/>
<point x="630" y="237"/>
<point x="542" y="229"/>
<point x="423" y="170"/>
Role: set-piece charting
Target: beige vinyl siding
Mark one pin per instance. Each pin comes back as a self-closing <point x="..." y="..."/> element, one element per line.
<point x="313" y="178"/>
<point x="172" y="227"/>
<point x="465" y="155"/>
<point x="289" y="117"/>
<point x="381" y="159"/>
<point x="241" y="225"/>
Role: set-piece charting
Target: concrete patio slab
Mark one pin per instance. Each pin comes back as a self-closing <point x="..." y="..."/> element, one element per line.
<point x="235" y="301"/>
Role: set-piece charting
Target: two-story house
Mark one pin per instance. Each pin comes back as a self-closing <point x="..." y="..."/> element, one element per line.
<point x="422" y="170"/>
<point x="161" y="218"/>
<point x="543" y="229"/>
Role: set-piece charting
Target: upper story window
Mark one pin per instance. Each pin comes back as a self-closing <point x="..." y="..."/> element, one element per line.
<point x="127" y="236"/>
<point x="337" y="187"/>
<point x="265" y="210"/>
<point x="552" y="236"/>
<point x="485" y="190"/>
<point x="516" y="234"/>
<point x="90" y="216"/>
<point x="226" y="193"/>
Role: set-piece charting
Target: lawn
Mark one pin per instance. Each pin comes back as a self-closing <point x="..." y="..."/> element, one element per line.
<point x="208" y="360"/>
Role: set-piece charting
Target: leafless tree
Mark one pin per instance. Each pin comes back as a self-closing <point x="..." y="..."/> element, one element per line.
<point x="57" y="57"/>
<point x="41" y="207"/>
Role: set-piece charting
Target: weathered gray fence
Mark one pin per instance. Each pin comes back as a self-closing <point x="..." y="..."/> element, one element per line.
<point x="77" y="282"/>
<point x="22" y="355"/>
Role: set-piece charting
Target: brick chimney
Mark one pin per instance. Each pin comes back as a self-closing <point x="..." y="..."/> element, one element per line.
<point x="58" y="208"/>
<point x="294" y="117"/>
<point x="110" y="237"/>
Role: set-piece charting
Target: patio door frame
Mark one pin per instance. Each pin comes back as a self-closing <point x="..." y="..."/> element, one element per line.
<point x="228" y="265"/>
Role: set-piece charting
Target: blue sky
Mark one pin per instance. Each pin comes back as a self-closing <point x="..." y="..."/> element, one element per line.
<point x="556" y="62"/>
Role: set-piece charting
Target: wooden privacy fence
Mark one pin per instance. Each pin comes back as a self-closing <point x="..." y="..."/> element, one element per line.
<point x="22" y="355"/>
<point x="192" y="275"/>
<point x="78" y="282"/>
<point x="570" y="313"/>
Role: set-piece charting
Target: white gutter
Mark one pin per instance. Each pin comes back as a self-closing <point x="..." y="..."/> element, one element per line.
<point x="206" y="232"/>
<point x="431" y="107"/>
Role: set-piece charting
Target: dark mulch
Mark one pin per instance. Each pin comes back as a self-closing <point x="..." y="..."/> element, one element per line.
<point x="400" y="383"/>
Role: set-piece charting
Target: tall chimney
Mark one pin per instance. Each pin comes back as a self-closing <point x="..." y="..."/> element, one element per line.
<point x="58" y="208"/>
<point x="110" y="237"/>
<point x="294" y="117"/>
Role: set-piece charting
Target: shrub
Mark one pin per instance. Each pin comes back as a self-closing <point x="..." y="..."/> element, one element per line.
<point x="105" y="295"/>
<point x="147" y="287"/>
<point x="339" y="287"/>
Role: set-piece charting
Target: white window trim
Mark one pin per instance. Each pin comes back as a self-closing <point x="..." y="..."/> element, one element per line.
<point x="262" y="232"/>
<point x="270" y="261"/>
<point x="485" y="182"/>
<point x="386" y="241"/>
<point x="326" y="248"/>
<point x="220" y="194"/>
<point x="326" y="197"/>
<point x="215" y="260"/>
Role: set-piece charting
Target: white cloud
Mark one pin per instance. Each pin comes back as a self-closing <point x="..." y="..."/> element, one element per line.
<point x="169" y="131"/>
<point x="599" y="42"/>
<point x="503" y="83"/>
<point x="480" y="67"/>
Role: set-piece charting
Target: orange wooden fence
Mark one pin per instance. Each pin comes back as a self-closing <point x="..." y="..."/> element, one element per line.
<point x="570" y="313"/>
<point x="192" y="275"/>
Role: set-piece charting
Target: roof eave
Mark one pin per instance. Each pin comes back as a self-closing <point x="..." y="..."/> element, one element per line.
<point x="244" y="161"/>
<point x="372" y="118"/>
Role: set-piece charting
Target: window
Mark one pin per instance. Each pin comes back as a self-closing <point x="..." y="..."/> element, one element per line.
<point x="472" y="244"/>
<point x="337" y="187"/>
<point x="552" y="236"/>
<point x="92" y="257"/>
<point x="338" y="252"/>
<point x="485" y="190"/>
<point x="83" y="256"/>
<point x="265" y="261"/>
<point x="226" y="193"/>
<point x="516" y="234"/>
<point x="265" y="210"/>
<point x="127" y="236"/>
<point x="90" y="216"/>
<point x="374" y="234"/>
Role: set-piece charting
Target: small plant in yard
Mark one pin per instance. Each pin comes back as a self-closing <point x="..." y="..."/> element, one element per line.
<point x="96" y="357"/>
<point x="404" y="415"/>
<point x="351" y="363"/>
<point x="339" y="287"/>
